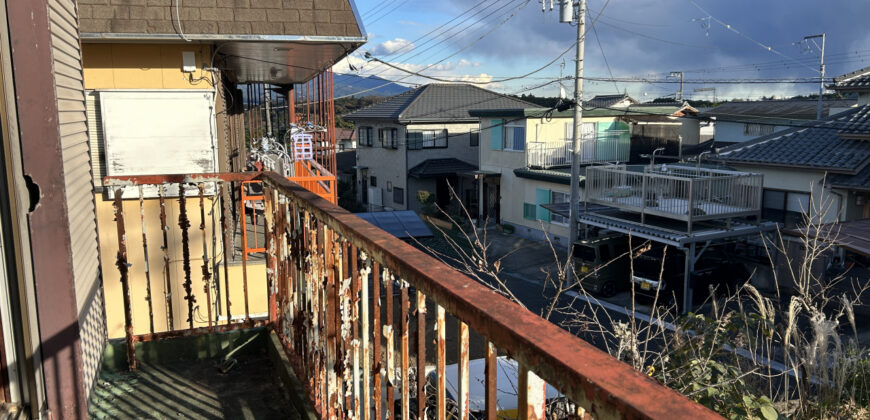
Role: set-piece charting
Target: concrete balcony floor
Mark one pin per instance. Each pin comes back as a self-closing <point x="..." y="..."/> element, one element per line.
<point x="162" y="388"/>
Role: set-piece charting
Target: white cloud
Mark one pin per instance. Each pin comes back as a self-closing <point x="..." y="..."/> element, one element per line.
<point x="393" y="45"/>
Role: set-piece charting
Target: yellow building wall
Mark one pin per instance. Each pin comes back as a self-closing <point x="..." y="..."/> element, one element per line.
<point x="114" y="298"/>
<point x="144" y="66"/>
<point x="159" y="66"/>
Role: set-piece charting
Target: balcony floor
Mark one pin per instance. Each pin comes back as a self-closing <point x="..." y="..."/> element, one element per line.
<point x="193" y="389"/>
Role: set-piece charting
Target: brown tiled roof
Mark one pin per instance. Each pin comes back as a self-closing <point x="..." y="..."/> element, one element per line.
<point x="230" y="17"/>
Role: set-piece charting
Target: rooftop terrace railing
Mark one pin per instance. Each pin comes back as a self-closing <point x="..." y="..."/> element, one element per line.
<point x="611" y="147"/>
<point x="330" y="283"/>
<point x="680" y="192"/>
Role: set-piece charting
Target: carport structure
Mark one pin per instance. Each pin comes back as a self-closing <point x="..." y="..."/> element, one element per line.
<point x="687" y="207"/>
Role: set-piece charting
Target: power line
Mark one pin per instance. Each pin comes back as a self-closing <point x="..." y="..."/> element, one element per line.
<point x="733" y="29"/>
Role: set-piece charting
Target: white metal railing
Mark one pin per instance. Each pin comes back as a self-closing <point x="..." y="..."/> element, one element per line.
<point x="679" y="192"/>
<point x="611" y="147"/>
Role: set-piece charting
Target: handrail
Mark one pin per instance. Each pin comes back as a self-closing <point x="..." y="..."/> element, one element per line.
<point x="588" y="376"/>
<point x="571" y="365"/>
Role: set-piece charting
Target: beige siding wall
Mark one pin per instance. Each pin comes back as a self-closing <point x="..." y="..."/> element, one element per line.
<point x="72" y="118"/>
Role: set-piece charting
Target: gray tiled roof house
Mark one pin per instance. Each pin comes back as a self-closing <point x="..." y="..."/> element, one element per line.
<point x="837" y="144"/>
<point x="436" y="102"/>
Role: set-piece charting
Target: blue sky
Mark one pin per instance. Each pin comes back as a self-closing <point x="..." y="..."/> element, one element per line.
<point x="489" y="40"/>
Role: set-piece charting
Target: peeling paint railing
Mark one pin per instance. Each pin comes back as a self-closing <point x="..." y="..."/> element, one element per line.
<point x="356" y="310"/>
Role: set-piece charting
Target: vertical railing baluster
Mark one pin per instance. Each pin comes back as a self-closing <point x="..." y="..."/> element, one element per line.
<point x="270" y="254"/>
<point x="406" y="385"/>
<point x="366" y="352"/>
<point x="421" y="355"/>
<point x="491" y="383"/>
<point x="147" y="264"/>
<point x="355" y="302"/>
<point x="389" y="328"/>
<point x="377" y="364"/>
<point x="123" y="267"/>
<point x="244" y="228"/>
<point x="184" y="224"/>
<point x="206" y="275"/>
<point x="531" y="397"/>
<point x="226" y="248"/>
<point x="167" y="277"/>
<point x="463" y="372"/>
<point x="441" y="333"/>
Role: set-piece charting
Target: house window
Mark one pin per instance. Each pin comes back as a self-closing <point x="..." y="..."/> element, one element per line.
<point x="398" y="195"/>
<point x="757" y="129"/>
<point x="474" y="139"/>
<point x="555" y="198"/>
<point x="365" y="136"/>
<point x="387" y="137"/>
<point x="785" y="207"/>
<point x="427" y="139"/>
<point x="373" y="181"/>
<point x="514" y="136"/>
<point x="529" y="211"/>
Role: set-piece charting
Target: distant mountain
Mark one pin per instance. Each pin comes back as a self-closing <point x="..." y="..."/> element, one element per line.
<point x="351" y="84"/>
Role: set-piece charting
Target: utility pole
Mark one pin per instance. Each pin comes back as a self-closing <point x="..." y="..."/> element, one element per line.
<point x="675" y="74"/>
<point x="821" y="72"/>
<point x="576" y="140"/>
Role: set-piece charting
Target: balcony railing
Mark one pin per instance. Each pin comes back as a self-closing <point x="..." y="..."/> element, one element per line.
<point x="611" y="147"/>
<point x="329" y="288"/>
<point x="678" y="192"/>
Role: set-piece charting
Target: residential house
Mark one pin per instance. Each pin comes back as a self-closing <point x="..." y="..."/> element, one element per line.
<point x="525" y="156"/>
<point x="820" y="169"/>
<point x="610" y="101"/>
<point x="740" y="121"/>
<point x="422" y="141"/>
<point x="857" y="82"/>
<point x="345" y="139"/>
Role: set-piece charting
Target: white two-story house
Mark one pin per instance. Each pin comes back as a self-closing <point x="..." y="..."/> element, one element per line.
<point x="422" y="142"/>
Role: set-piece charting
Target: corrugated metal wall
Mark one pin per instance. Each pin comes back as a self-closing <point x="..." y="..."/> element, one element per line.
<point x="72" y="119"/>
<point x="95" y="136"/>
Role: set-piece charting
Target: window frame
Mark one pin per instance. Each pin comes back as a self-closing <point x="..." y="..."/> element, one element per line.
<point x="400" y="193"/>
<point x="436" y="135"/>
<point x="473" y="139"/>
<point x="758" y="130"/>
<point x="373" y="181"/>
<point x="788" y="218"/>
<point x="558" y="219"/>
<point x="367" y="141"/>
<point x="507" y="133"/>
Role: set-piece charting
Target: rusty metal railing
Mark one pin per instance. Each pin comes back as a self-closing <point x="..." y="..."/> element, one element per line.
<point x="356" y="310"/>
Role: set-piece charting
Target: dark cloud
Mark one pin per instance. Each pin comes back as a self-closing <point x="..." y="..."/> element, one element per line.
<point x="659" y="36"/>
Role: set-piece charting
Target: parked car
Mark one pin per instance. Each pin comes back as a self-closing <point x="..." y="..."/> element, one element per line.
<point x="715" y="268"/>
<point x="602" y="263"/>
<point x="506" y="392"/>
